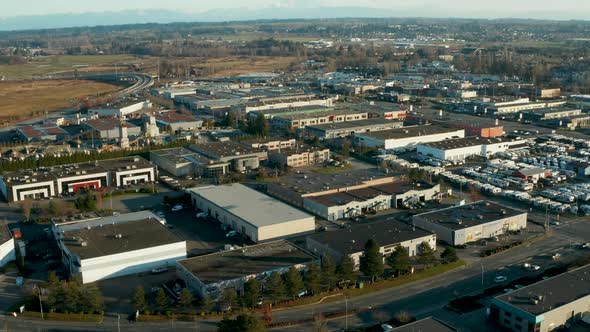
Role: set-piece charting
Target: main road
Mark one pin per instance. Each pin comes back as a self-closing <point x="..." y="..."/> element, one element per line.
<point x="419" y="298"/>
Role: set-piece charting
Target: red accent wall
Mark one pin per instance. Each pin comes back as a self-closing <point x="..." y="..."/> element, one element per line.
<point x="91" y="184"/>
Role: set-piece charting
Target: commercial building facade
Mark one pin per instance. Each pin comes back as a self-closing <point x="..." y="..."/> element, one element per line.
<point x="387" y="233"/>
<point x="7" y="246"/>
<point x="548" y="305"/>
<point x="120" y="109"/>
<point x="467" y="223"/>
<point x="299" y="157"/>
<point x="109" y="247"/>
<point x="255" y="215"/>
<point x="58" y="180"/>
<point x="349" y="128"/>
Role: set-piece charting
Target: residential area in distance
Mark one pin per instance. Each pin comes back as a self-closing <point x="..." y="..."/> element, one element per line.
<point x="296" y="175"/>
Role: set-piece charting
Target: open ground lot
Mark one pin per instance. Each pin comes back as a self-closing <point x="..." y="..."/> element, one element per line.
<point x="229" y="66"/>
<point x="63" y="63"/>
<point x="44" y="96"/>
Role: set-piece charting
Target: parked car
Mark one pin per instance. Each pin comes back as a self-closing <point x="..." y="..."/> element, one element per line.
<point x="177" y="207"/>
<point x="500" y="279"/>
<point x="386" y="327"/>
<point x="231" y="234"/>
<point x="159" y="270"/>
<point x="200" y="215"/>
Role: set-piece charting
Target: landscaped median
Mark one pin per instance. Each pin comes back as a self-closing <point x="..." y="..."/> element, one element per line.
<point x="372" y="287"/>
<point x="69" y="317"/>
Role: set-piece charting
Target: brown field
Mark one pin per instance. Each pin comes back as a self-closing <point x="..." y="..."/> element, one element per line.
<point x="24" y="99"/>
<point x="229" y="66"/>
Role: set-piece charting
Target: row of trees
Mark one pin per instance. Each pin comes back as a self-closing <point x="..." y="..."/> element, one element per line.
<point x="70" y="296"/>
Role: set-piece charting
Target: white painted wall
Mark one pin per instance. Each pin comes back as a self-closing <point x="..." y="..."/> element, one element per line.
<point x="7" y="252"/>
<point x="131" y="262"/>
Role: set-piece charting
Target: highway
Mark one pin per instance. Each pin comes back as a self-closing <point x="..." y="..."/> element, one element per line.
<point x="421" y="298"/>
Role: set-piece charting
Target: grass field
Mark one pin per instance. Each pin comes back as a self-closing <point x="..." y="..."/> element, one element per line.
<point x="62" y="63"/>
<point x="24" y="98"/>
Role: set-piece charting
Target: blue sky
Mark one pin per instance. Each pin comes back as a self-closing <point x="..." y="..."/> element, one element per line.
<point x="562" y="9"/>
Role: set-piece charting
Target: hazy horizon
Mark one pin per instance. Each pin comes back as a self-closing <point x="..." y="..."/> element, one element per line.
<point x="42" y="14"/>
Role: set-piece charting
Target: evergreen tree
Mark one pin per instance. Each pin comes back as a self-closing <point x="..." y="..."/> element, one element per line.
<point x="399" y="260"/>
<point x="229" y="298"/>
<point x="251" y="293"/>
<point x="372" y="260"/>
<point x="206" y="303"/>
<point x="274" y="287"/>
<point x="261" y="126"/>
<point x="449" y="255"/>
<point x="293" y="282"/>
<point x="186" y="298"/>
<point x="161" y="300"/>
<point x="345" y="271"/>
<point x="313" y="279"/>
<point x="139" y="300"/>
<point x="242" y="323"/>
<point x="426" y="254"/>
<point x="345" y="151"/>
<point x="328" y="268"/>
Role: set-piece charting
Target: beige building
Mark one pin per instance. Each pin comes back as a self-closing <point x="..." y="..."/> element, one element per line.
<point x="301" y="120"/>
<point x="547" y="305"/>
<point x="299" y="157"/>
<point x="251" y="213"/>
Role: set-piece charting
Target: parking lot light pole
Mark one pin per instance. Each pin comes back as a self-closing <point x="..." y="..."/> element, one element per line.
<point x="345" y="313"/>
<point x="118" y="322"/>
<point x="480" y="263"/>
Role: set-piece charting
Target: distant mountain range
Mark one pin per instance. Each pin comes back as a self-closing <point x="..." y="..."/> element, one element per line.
<point x="54" y="21"/>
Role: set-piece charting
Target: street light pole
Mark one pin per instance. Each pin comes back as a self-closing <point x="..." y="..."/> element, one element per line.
<point x="118" y="322"/>
<point x="480" y="263"/>
<point x="40" y="302"/>
<point x="345" y="313"/>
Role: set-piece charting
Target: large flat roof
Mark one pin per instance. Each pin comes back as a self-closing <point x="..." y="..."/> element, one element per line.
<point x="224" y="149"/>
<point x="98" y="237"/>
<point x="318" y="114"/>
<point x="238" y="263"/>
<point x="469" y="215"/>
<point x="551" y="293"/>
<point x="125" y="163"/>
<point x="411" y="131"/>
<point x="306" y="181"/>
<point x="353" y="239"/>
<point x="425" y="325"/>
<point x="459" y="143"/>
<point x="378" y="122"/>
<point x="250" y="205"/>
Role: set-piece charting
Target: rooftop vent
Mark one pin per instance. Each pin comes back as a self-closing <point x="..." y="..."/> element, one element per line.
<point x="119" y="236"/>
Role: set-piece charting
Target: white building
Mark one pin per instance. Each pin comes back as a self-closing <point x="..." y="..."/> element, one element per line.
<point x="407" y="136"/>
<point x="351" y="242"/>
<point x="7" y="246"/>
<point x="120" y="109"/>
<point x="115" y="246"/>
<point x="253" y="214"/>
<point x="467" y="223"/>
<point x="462" y="148"/>
<point x="351" y="203"/>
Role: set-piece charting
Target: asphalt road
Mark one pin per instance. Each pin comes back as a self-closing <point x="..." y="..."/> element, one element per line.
<point x="421" y="298"/>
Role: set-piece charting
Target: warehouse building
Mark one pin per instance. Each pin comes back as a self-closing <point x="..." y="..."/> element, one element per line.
<point x="109" y="247"/>
<point x="363" y="199"/>
<point x="210" y="275"/>
<point x="48" y="182"/>
<point x="241" y="157"/>
<point x="272" y="143"/>
<point x="177" y="121"/>
<point x="294" y="121"/>
<point x="110" y="128"/>
<point x="181" y="162"/>
<point x="463" y="148"/>
<point x="351" y="242"/>
<point x="407" y="136"/>
<point x="551" y="113"/>
<point x="349" y="128"/>
<point x="467" y="223"/>
<point x="7" y="246"/>
<point x="46" y="132"/>
<point x="120" y="109"/>
<point x="253" y="214"/>
<point x="548" y="305"/>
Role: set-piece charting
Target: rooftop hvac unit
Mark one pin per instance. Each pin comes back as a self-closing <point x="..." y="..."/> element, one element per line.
<point x="118" y="236"/>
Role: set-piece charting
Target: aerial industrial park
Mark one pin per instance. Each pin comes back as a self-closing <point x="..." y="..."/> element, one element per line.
<point x="338" y="175"/>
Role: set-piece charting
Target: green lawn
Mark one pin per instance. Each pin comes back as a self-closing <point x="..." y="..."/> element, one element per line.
<point x="61" y="63"/>
<point x="333" y="169"/>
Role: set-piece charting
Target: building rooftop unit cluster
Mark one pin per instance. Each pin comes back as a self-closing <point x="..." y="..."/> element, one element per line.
<point x="222" y="150"/>
<point x="410" y="131"/>
<point x="469" y="142"/>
